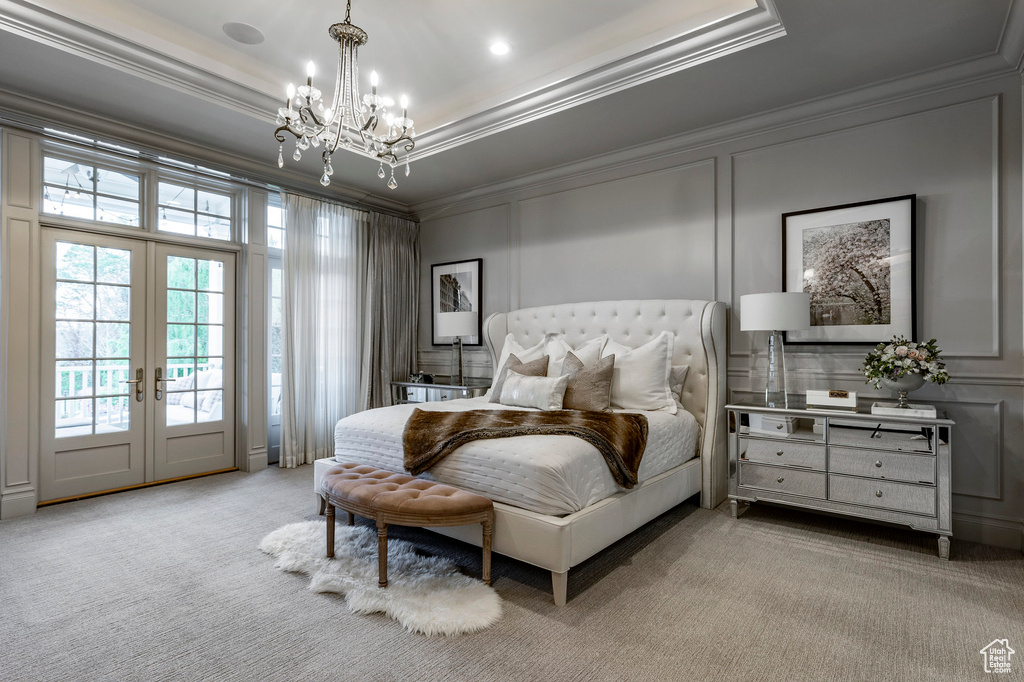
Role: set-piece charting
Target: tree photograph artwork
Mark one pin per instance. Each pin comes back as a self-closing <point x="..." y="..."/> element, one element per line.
<point x="857" y="263"/>
<point x="847" y="274"/>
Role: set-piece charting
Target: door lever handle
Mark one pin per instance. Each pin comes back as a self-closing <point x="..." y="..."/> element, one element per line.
<point x="157" y="381"/>
<point x="140" y="375"/>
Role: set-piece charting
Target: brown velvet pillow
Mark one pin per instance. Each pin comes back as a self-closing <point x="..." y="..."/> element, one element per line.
<point x="590" y="388"/>
<point x="533" y="368"/>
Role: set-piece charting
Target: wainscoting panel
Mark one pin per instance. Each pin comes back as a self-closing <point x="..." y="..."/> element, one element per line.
<point x="948" y="157"/>
<point x="644" y="236"/>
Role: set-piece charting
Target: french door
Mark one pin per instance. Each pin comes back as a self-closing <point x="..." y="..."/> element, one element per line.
<point x="137" y="363"/>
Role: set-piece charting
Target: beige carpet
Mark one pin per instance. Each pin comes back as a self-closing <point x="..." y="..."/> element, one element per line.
<point x="167" y="584"/>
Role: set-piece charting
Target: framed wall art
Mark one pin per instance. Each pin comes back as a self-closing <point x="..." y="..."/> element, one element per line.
<point x="456" y="287"/>
<point x="857" y="263"/>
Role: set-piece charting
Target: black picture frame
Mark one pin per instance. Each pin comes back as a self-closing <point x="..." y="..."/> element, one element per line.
<point x="467" y="277"/>
<point x="858" y="262"/>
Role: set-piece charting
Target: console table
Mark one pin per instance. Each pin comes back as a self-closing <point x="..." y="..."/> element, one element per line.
<point x="883" y="468"/>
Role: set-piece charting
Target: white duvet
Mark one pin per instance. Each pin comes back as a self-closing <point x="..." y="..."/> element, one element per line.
<point x="546" y="474"/>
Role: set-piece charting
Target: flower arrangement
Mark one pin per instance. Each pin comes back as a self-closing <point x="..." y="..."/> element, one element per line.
<point x="900" y="357"/>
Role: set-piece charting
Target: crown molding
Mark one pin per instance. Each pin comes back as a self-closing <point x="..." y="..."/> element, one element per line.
<point x="803" y="113"/>
<point x="34" y="115"/>
<point x="729" y="35"/>
<point x="57" y="31"/>
<point x="1011" y="42"/>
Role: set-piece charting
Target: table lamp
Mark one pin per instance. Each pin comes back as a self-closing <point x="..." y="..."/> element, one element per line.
<point x="457" y="325"/>
<point x="775" y="312"/>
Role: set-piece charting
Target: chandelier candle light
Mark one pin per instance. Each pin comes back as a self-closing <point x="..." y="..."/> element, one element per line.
<point x="775" y="312"/>
<point x="351" y="121"/>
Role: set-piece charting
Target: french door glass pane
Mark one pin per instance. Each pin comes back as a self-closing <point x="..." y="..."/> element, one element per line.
<point x="75" y="301"/>
<point x="195" y="340"/>
<point x="92" y="339"/>
<point x="113" y="303"/>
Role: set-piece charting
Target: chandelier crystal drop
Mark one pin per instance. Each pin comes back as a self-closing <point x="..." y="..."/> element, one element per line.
<point x="351" y="121"/>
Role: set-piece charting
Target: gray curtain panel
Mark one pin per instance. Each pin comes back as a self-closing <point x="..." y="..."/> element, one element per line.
<point x="392" y="313"/>
<point x="322" y="304"/>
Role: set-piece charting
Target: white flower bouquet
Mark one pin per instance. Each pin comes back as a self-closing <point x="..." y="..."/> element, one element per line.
<point x="900" y="357"/>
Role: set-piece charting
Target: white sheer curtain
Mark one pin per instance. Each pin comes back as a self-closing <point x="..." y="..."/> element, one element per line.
<point x="322" y="305"/>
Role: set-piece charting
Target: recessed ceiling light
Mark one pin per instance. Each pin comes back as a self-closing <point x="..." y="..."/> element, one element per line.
<point x="500" y="47"/>
<point x="247" y="34"/>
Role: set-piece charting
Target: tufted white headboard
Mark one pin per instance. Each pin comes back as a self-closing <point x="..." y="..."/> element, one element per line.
<point x="700" y="342"/>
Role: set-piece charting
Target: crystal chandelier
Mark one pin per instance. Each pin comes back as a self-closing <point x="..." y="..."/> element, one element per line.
<point x="351" y="121"/>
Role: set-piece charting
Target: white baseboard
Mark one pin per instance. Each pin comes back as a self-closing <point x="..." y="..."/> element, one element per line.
<point x="18" y="503"/>
<point x="256" y="461"/>
<point x="988" y="531"/>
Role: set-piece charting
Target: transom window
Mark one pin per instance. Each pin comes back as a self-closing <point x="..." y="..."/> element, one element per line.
<point x="192" y="211"/>
<point x="88" y="192"/>
<point x="275" y="222"/>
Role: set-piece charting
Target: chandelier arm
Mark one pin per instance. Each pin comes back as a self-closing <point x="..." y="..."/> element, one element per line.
<point x="281" y="138"/>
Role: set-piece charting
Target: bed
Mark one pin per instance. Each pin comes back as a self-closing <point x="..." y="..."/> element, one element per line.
<point x="567" y="511"/>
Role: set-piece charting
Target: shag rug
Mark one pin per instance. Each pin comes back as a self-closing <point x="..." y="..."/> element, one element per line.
<point x="426" y="594"/>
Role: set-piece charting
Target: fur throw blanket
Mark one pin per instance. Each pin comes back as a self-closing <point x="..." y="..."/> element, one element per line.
<point x="620" y="437"/>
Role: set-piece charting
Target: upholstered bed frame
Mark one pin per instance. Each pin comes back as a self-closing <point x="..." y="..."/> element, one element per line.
<point x="557" y="543"/>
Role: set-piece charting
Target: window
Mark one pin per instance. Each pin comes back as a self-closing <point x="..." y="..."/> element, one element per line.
<point x="275" y="221"/>
<point x="274" y="351"/>
<point x="81" y="190"/>
<point x="193" y="211"/>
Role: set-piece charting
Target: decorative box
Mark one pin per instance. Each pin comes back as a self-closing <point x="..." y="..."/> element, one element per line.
<point x="893" y="410"/>
<point x="832" y="399"/>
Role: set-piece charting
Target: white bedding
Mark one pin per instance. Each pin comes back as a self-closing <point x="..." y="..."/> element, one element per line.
<point x="546" y="474"/>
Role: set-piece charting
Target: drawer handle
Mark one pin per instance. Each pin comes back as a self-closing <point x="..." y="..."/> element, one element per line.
<point x="779" y="453"/>
<point x="779" y="426"/>
<point x="878" y="463"/>
<point x="878" y="493"/>
<point x="780" y="479"/>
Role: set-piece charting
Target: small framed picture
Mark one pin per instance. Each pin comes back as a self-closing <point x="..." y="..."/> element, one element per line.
<point x="857" y="263"/>
<point x="456" y="287"/>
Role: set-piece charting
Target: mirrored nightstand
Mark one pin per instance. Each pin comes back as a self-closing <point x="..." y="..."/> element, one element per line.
<point x="410" y="392"/>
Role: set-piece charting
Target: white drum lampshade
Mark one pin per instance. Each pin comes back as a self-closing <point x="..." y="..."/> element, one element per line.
<point x="775" y="312"/>
<point x="457" y="325"/>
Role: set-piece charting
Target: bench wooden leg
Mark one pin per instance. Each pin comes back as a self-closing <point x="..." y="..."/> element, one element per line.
<point x="382" y="553"/>
<point x="488" y="525"/>
<point x="323" y="505"/>
<point x="351" y="519"/>
<point x="330" y="530"/>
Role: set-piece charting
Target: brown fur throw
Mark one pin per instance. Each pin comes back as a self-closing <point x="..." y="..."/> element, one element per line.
<point x="620" y="437"/>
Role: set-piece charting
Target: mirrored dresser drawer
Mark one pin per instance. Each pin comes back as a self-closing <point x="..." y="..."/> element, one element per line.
<point x="891" y="469"/>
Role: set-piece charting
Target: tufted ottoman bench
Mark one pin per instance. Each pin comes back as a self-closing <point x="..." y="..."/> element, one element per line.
<point x="404" y="500"/>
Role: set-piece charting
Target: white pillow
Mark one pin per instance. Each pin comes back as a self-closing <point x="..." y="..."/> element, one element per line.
<point x="552" y="345"/>
<point x="676" y="380"/>
<point x="544" y="393"/>
<point x="588" y="352"/>
<point x="640" y="380"/>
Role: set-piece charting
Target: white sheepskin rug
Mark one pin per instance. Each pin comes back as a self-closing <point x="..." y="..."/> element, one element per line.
<point x="425" y="594"/>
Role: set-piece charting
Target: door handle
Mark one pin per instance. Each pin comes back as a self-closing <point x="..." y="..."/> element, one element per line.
<point x="138" y="381"/>
<point x="157" y="381"/>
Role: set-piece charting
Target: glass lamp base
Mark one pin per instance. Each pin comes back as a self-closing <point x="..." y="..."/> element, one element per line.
<point x="775" y="385"/>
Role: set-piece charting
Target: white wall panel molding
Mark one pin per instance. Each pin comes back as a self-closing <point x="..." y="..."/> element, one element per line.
<point x="740" y="370"/>
<point x="957" y="184"/>
<point x="588" y="244"/>
<point x="19" y="326"/>
<point x="871" y="101"/>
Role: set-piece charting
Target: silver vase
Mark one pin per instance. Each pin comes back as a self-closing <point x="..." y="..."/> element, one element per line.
<point x="902" y="386"/>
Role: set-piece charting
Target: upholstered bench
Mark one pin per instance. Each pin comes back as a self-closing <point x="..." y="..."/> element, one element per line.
<point x="403" y="500"/>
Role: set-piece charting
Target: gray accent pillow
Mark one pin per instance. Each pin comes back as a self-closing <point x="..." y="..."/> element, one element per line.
<point x="533" y="368"/>
<point x="590" y="388"/>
